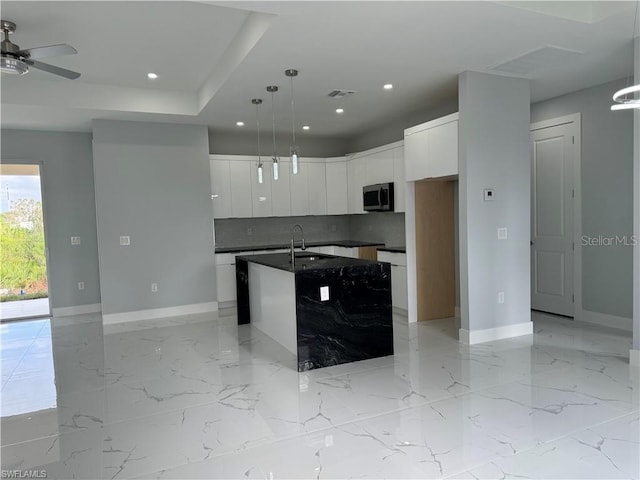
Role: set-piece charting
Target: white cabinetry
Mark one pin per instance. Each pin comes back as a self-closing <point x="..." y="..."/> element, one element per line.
<point x="220" y="188"/>
<point x="280" y="189"/>
<point x="398" y="178"/>
<point x="352" y="252"/>
<point x="240" y="184"/>
<point x="398" y="263"/>
<point x="261" y="193"/>
<point x="356" y="174"/>
<point x="317" y="187"/>
<point x="337" y="186"/>
<point x="379" y="167"/>
<point x="300" y="191"/>
<point x="226" y="277"/>
<point x="431" y="149"/>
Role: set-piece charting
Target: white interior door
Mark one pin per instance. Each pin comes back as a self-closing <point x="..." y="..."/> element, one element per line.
<point x="552" y="190"/>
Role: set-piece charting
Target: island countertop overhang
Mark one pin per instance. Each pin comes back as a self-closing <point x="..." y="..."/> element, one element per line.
<point x="282" y="261"/>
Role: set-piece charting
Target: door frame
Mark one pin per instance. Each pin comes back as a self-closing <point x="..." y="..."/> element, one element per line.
<point x="574" y="118"/>
<point x="40" y="164"/>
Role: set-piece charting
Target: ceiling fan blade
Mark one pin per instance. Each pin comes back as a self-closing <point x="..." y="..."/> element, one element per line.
<point x="49" y="51"/>
<point x="63" y="72"/>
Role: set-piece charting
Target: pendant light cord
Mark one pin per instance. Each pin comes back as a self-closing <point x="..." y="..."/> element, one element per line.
<point x="258" y="128"/>
<point x="273" y="118"/>
<point x="293" y="113"/>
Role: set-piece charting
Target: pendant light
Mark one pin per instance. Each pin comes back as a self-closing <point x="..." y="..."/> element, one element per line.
<point x="293" y="150"/>
<point x="629" y="97"/>
<point x="257" y="102"/>
<point x="273" y="89"/>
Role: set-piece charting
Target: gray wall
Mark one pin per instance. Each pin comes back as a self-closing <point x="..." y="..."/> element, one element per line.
<point x="69" y="208"/>
<point x="393" y="129"/>
<point x="494" y="152"/>
<point x="636" y="202"/>
<point x="607" y="193"/>
<point x="152" y="183"/>
<point x="244" y="143"/>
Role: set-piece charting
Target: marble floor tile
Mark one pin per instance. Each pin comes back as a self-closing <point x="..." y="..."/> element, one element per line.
<point x="201" y="397"/>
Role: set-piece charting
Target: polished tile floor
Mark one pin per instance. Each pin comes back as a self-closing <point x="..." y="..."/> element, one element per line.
<point x="200" y="397"/>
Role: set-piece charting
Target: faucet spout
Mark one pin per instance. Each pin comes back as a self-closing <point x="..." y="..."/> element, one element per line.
<point x="293" y="239"/>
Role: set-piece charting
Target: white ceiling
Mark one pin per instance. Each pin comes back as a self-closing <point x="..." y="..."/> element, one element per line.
<point x="213" y="57"/>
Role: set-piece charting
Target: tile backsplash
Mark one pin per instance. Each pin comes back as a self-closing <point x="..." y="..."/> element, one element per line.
<point x="387" y="228"/>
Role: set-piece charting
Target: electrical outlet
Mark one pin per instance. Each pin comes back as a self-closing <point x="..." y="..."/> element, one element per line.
<point x="80" y="285"/>
<point x="488" y="194"/>
<point x="154" y="287"/>
<point x="75" y="240"/>
<point x="125" y="240"/>
<point x="249" y="231"/>
<point x="500" y="297"/>
<point x="502" y="233"/>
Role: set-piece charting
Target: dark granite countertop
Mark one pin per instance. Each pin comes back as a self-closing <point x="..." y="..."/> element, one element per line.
<point x="393" y="249"/>
<point x="281" y="261"/>
<point x="277" y="246"/>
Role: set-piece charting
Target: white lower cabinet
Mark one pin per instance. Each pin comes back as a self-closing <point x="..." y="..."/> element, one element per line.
<point x="226" y="282"/>
<point x="398" y="263"/>
<point x="351" y="252"/>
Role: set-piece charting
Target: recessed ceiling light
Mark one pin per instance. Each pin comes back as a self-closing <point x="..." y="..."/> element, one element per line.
<point x="387" y="86"/>
<point x="240" y="124"/>
<point x="152" y="76"/>
<point x="306" y="127"/>
<point x="339" y="110"/>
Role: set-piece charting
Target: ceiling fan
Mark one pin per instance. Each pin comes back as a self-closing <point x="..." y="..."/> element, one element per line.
<point x="16" y="61"/>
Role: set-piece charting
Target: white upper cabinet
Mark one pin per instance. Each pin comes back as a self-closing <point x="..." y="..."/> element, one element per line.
<point x="379" y="167"/>
<point x="431" y="149"/>
<point x="240" y="182"/>
<point x="300" y="191"/>
<point x="336" y="186"/>
<point x="398" y="178"/>
<point x="317" y="190"/>
<point x="356" y="174"/>
<point x="280" y="189"/>
<point x="220" y="188"/>
<point x="261" y="193"/>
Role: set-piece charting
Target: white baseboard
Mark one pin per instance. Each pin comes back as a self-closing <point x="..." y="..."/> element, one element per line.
<point x="612" y="321"/>
<point x="480" y="336"/>
<point x="159" y="313"/>
<point x="76" y="310"/>
<point x="634" y="358"/>
<point x="227" y="304"/>
<point x="456" y="312"/>
<point x="400" y="311"/>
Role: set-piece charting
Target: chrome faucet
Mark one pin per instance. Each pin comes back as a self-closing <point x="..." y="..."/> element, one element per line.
<point x="302" y="245"/>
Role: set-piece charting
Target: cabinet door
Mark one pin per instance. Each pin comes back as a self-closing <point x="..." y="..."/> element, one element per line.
<point x="280" y="189"/>
<point x="416" y="152"/>
<point x="399" y="286"/>
<point x="241" y="202"/>
<point x="300" y="191"/>
<point x="226" y="282"/>
<point x="398" y="179"/>
<point x="443" y="150"/>
<point x="346" y="252"/>
<point x="337" y="190"/>
<point x="356" y="171"/>
<point x="379" y="168"/>
<point x="317" y="190"/>
<point x="220" y="188"/>
<point x="261" y="195"/>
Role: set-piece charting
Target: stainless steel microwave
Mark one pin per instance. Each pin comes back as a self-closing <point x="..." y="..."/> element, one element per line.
<point x="378" y="198"/>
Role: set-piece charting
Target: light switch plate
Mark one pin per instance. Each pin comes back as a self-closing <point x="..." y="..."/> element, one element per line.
<point x="75" y="240"/>
<point x="500" y="297"/>
<point x="324" y="293"/>
<point x="80" y="285"/>
<point x="125" y="240"/>
<point x="502" y="233"/>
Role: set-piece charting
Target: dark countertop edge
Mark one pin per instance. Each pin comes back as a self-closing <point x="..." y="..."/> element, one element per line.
<point x="338" y="243"/>
<point x="393" y="249"/>
<point x="341" y="262"/>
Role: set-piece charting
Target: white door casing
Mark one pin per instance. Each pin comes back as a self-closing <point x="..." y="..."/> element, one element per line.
<point x="554" y="163"/>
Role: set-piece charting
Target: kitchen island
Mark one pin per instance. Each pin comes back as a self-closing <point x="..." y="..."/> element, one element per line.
<point x="326" y="310"/>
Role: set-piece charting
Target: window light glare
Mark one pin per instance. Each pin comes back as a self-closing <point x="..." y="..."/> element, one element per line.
<point x="388" y="86"/>
<point x="152" y="76"/>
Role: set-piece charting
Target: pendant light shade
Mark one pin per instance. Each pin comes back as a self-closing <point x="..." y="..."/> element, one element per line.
<point x="257" y="102"/>
<point x="293" y="150"/>
<point x="273" y="89"/>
